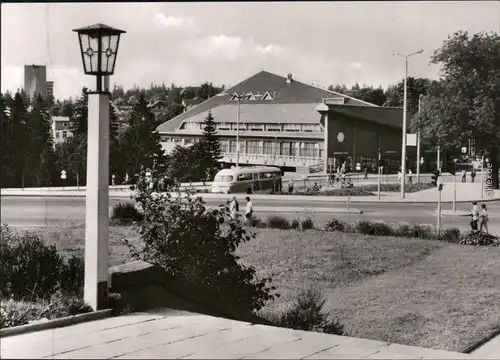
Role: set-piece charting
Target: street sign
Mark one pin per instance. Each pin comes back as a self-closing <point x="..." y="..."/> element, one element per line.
<point x="340" y="137"/>
<point x="330" y="161"/>
<point x="411" y="139"/>
<point x="358" y="167"/>
<point x="464" y="150"/>
<point x="63" y="174"/>
<point x="390" y="151"/>
<point x="421" y="160"/>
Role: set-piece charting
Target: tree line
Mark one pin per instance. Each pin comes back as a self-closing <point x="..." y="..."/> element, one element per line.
<point x="32" y="159"/>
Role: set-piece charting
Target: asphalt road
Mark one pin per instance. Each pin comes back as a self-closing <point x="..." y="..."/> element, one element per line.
<point x="26" y="212"/>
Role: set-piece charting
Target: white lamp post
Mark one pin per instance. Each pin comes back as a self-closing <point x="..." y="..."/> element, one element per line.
<point x="405" y="109"/>
<point x="98" y="48"/>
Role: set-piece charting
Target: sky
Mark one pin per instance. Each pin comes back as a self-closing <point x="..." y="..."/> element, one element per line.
<point x="189" y="43"/>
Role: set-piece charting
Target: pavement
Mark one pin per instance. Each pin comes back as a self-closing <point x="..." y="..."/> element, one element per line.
<point x="43" y="211"/>
<point x="168" y="333"/>
<point x="490" y="350"/>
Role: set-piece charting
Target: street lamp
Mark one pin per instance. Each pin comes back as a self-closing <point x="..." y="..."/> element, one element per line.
<point x="405" y="109"/>
<point x="98" y="48"/>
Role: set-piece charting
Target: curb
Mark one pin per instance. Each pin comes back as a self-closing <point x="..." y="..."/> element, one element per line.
<point x="56" y="323"/>
<point x="456" y="213"/>
<point x="481" y="342"/>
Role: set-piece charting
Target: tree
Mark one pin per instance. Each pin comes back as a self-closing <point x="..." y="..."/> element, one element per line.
<point x="210" y="150"/>
<point x="466" y="102"/>
<point x="415" y="87"/>
<point x="140" y="145"/>
<point x="207" y="90"/>
<point x="78" y="123"/>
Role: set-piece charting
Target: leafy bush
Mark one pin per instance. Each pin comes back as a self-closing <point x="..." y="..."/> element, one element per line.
<point x="126" y="213"/>
<point x="198" y="244"/>
<point x="32" y="269"/>
<point x="451" y="235"/>
<point x="335" y="225"/>
<point x="307" y="224"/>
<point x="423" y="231"/>
<point x="395" y="187"/>
<point x="377" y="228"/>
<point x="307" y="314"/>
<point x="295" y="224"/>
<point x="278" y="222"/>
<point x="354" y="191"/>
<point x="478" y="238"/>
<point x="403" y="229"/>
<point x="257" y="223"/>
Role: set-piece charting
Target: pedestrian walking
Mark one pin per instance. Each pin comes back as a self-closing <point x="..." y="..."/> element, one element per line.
<point x="410" y="174"/>
<point x="234" y="207"/>
<point x="366" y="172"/>
<point x="483" y="219"/>
<point x="474" y="216"/>
<point x="399" y="176"/>
<point x="248" y="210"/>
<point x="290" y="186"/>
<point x="464" y="176"/>
<point x="473" y="175"/>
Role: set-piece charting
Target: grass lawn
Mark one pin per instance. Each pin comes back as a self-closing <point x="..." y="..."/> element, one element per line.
<point x="414" y="292"/>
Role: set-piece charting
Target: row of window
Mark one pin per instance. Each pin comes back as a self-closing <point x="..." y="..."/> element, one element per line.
<point x="256" y="127"/>
<point x="63" y="133"/>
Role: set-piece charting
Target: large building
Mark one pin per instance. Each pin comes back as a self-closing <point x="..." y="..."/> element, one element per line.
<point x="35" y="80"/>
<point x="280" y="124"/>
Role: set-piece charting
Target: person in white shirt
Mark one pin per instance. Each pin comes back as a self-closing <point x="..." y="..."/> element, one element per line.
<point x="410" y="180"/>
<point x="483" y="219"/>
<point x="248" y="209"/>
<point x="474" y="216"/>
<point x="233" y="207"/>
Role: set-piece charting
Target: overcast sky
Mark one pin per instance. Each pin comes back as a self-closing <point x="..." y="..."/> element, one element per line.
<point x="189" y="43"/>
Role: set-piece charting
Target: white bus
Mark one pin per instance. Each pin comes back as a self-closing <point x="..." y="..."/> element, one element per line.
<point x="247" y="180"/>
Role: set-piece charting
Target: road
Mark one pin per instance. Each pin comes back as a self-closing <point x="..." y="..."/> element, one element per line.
<point x="26" y="212"/>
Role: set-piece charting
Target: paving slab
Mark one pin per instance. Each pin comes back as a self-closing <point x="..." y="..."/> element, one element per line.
<point x="163" y="334"/>
<point x="490" y="350"/>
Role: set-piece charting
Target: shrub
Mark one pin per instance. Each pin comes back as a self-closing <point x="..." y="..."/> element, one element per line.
<point x="403" y="229"/>
<point x="278" y="222"/>
<point x="307" y="314"/>
<point x="307" y="224"/>
<point x="423" y="231"/>
<point x="198" y="245"/>
<point x="355" y="191"/>
<point x="395" y="187"/>
<point x="335" y="225"/>
<point x="126" y="213"/>
<point x="32" y="269"/>
<point x="478" y="238"/>
<point x="295" y="224"/>
<point x="451" y="235"/>
<point x="257" y="223"/>
<point x="377" y="228"/>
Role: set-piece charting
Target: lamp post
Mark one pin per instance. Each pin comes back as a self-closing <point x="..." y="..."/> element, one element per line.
<point x="98" y="48"/>
<point x="405" y="109"/>
<point x="420" y="99"/>
<point x="455" y="184"/>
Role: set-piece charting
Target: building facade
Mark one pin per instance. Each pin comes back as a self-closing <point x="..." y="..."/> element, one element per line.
<point x="35" y="80"/>
<point x="60" y="129"/>
<point x="278" y="124"/>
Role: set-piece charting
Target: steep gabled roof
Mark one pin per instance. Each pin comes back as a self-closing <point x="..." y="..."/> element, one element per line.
<point x="294" y="92"/>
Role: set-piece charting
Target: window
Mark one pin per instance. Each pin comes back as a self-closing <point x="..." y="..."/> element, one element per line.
<point x="307" y="149"/>
<point x="253" y="147"/>
<point x="288" y="148"/>
<point x="267" y="96"/>
<point x="223" y="126"/>
<point x="310" y="128"/>
<point x="223" y="178"/>
<point x="245" y="177"/>
<point x="271" y="148"/>
<point x="224" y="146"/>
<point x="64" y="134"/>
<point x="242" y="126"/>
<point x="232" y="146"/>
<point x="57" y="134"/>
<point x="273" y="127"/>
<point x="256" y="127"/>
<point x="291" y="127"/>
<point x="266" y="175"/>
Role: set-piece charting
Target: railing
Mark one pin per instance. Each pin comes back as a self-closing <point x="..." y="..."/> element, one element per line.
<point x="270" y="159"/>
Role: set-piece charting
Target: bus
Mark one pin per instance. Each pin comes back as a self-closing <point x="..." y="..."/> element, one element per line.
<point x="247" y="180"/>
